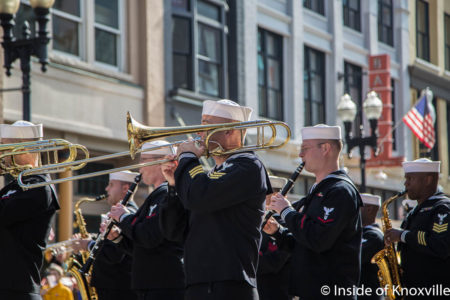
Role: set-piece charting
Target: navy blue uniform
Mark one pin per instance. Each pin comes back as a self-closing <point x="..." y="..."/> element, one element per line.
<point x="326" y="227"/>
<point x="273" y="270"/>
<point x="157" y="267"/>
<point x="111" y="271"/>
<point x="425" y="257"/>
<point x="221" y="227"/>
<point x="25" y="218"/>
<point x="372" y="242"/>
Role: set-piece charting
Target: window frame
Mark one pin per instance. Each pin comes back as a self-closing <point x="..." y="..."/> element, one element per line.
<point x="389" y="40"/>
<point x="194" y="20"/>
<point x="265" y="86"/>
<point x="321" y="73"/>
<point x="423" y="34"/>
<point x="346" y="8"/>
<point x="86" y="35"/>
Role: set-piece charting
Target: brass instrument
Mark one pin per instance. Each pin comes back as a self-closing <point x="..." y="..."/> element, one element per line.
<point x="74" y="264"/>
<point x="387" y="258"/>
<point x="138" y="134"/>
<point x="50" y="147"/>
<point x="60" y="247"/>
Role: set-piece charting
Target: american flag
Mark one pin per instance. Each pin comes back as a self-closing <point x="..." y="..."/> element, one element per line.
<point x="419" y="120"/>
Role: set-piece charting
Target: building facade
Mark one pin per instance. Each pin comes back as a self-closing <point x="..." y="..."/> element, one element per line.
<point x="105" y="58"/>
<point x="290" y="61"/>
<point x="429" y="66"/>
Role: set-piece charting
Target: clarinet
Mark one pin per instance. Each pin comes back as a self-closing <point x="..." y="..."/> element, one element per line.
<point x="111" y="222"/>
<point x="286" y="188"/>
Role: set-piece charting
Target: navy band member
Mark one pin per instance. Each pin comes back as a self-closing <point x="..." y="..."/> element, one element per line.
<point x="424" y="240"/>
<point x="326" y="224"/>
<point x="157" y="269"/>
<point x="25" y="218"/>
<point x="372" y="242"/>
<point x="273" y="266"/>
<point x="111" y="271"/>
<point x="224" y="209"/>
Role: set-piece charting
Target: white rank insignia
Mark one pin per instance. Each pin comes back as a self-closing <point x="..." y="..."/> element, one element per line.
<point x="327" y="212"/>
<point x="441" y="226"/>
<point x="226" y="165"/>
<point x="9" y="193"/>
<point x="152" y="208"/>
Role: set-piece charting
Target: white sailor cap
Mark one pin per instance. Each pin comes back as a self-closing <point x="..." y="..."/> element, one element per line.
<point x="321" y="131"/>
<point x="21" y="130"/>
<point x="371" y="199"/>
<point x="227" y="109"/>
<point x="277" y="182"/>
<point x="422" y="165"/>
<point x="126" y="176"/>
<point x="160" y="151"/>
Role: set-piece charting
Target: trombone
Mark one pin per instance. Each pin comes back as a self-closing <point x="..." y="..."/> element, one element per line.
<point x="139" y="134"/>
<point x="49" y="147"/>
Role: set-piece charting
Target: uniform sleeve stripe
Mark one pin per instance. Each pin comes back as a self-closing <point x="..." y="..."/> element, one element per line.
<point x="195" y="169"/>
<point x="196" y="173"/>
<point x="216" y="175"/>
<point x="421" y="238"/>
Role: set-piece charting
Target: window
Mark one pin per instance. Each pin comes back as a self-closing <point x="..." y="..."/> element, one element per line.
<point x="315" y="5"/>
<point x="107" y="31"/>
<point x="353" y="86"/>
<point x="447" y="41"/>
<point x="198" y="46"/>
<point x="352" y="14"/>
<point x="72" y="27"/>
<point x="314" y="86"/>
<point x="93" y="186"/>
<point x="422" y="30"/>
<point x="385" y="22"/>
<point x="270" y="74"/>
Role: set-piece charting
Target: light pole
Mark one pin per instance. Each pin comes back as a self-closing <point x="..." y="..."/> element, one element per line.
<point x="373" y="107"/>
<point x="27" y="46"/>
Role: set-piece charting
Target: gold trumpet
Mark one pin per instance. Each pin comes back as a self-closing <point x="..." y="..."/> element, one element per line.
<point x="50" y="148"/>
<point x="139" y="134"/>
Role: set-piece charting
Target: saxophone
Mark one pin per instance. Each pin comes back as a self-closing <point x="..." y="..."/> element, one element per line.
<point x="387" y="259"/>
<point x="75" y="262"/>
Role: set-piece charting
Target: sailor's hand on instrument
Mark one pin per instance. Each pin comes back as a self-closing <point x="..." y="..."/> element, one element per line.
<point x="271" y="226"/>
<point x="117" y="211"/>
<point x="80" y="244"/>
<point x="114" y="233"/>
<point x="278" y="203"/>
<point x="392" y="236"/>
<point x="168" y="169"/>
<point x="196" y="147"/>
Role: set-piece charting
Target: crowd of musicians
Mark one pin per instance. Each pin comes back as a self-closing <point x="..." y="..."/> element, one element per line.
<point x="198" y="234"/>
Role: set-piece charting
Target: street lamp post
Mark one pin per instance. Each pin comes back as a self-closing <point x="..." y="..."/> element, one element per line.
<point x="373" y="107"/>
<point x="24" y="48"/>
